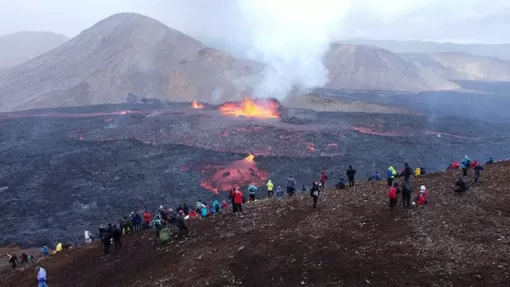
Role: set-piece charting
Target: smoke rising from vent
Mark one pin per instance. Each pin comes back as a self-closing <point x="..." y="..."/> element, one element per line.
<point x="291" y="38"/>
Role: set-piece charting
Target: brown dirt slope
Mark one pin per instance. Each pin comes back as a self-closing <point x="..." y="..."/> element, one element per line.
<point x="352" y="239"/>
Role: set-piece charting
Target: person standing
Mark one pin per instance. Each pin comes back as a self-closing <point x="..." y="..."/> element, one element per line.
<point x="477" y="169"/>
<point x="390" y="175"/>
<point x="291" y="186"/>
<point x="314" y="193"/>
<point x="117" y="234"/>
<point x="323" y="180"/>
<point x="392" y="195"/>
<point x="13" y="260"/>
<point x="238" y="201"/>
<point x="41" y="277"/>
<point x="251" y="191"/>
<point x="407" y="172"/>
<point x="351" y="172"/>
<point x="466" y="163"/>
<point x="270" y="187"/>
<point x="407" y="191"/>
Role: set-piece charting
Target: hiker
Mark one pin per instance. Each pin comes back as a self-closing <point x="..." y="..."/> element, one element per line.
<point x="185" y="209"/>
<point x="491" y="161"/>
<point x="417" y="172"/>
<point x="406" y="172"/>
<point x="204" y="211"/>
<point x="41" y="277"/>
<point x="350" y="175"/>
<point x="323" y="179"/>
<point x="376" y="176"/>
<point x="422" y="198"/>
<point x="224" y="206"/>
<point x="157" y="224"/>
<point x="127" y="225"/>
<point x="390" y="175"/>
<point x="251" y="191"/>
<point x="24" y="258"/>
<point x="454" y="165"/>
<point x="117" y="233"/>
<point x="340" y="184"/>
<point x="422" y="170"/>
<point x="13" y="260"/>
<point x="87" y="235"/>
<point x="477" y="169"/>
<point x="238" y="200"/>
<point x="279" y="191"/>
<point x="461" y="186"/>
<point x="466" y="163"/>
<point x="193" y="213"/>
<point x="178" y="209"/>
<point x="216" y="206"/>
<point x="393" y="195"/>
<point x="269" y="186"/>
<point x="303" y="188"/>
<point x="58" y="248"/>
<point x="423" y="193"/>
<point x="106" y="237"/>
<point x="231" y="196"/>
<point x="407" y="191"/>
<point x="67" y="246"/>
<point x="314" y="193"/>
<point x="44" y="251"/>
<point x="180" y="223"/>
<point x="291" y="186"/>
<point x="147" y="219"/>
<point x="138" y="221"/>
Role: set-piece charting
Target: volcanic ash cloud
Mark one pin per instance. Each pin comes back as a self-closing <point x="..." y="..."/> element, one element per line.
<point x="291" y="38"/>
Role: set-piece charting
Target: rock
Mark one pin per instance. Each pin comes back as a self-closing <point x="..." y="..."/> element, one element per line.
<point x="478" y="277"/>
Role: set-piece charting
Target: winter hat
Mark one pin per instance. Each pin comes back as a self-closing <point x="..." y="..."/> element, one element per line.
<point x="422" y="188"/>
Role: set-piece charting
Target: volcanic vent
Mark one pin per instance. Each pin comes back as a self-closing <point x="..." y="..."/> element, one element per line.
<point x="252" y="108"/>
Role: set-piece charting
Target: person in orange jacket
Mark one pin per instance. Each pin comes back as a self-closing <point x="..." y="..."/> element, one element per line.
<point x="238" y="201"/>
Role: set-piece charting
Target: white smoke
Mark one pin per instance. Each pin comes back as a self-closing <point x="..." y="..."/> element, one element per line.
<point x="291" y="39"/>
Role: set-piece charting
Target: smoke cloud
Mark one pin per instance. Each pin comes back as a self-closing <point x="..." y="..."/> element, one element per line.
<point x="291" y="39"/>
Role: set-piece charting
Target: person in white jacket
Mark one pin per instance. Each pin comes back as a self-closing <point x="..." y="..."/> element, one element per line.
<point x="41" y="277"/>
<point x="88" y="238"/>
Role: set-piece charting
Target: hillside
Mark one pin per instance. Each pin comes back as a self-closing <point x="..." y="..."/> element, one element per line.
<point x="351" y="239"/>
<point x="501" y="51"/>
<point x="22" y="46"/>
<point x="125" y="53"/>
<point x="370" y="68"/>
<point x="461" y="66"/>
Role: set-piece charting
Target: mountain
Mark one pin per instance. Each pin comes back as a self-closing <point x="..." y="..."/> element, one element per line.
<point x="501" y="51"/>
<point x="462" y="66"/>
<point x="124" y="53"/>
<point x="22" y="46"/>
<point x="359" y="67"/>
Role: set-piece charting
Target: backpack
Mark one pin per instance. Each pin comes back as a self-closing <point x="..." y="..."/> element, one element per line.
<point x="468" y="163"/>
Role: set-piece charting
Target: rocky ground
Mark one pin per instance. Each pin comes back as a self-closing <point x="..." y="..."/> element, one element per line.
<point x="66" y="170"/>
<point x="351" y="239"/>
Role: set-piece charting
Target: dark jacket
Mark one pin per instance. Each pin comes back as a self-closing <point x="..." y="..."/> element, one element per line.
<point x="477" y="170"/>
<point x="350" y="173"/>
<point x="340" y="184"/>
<point x="461" y="184"/>
<point x="117" y="232"/>
<point x="315" y="189"/>
<point x="407" y="172"/>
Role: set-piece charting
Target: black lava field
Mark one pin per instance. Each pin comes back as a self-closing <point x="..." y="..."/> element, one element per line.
<point x="63" y="171"/>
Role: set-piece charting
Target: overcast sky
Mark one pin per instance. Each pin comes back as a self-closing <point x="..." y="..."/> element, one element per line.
<point x="482" y="21"/>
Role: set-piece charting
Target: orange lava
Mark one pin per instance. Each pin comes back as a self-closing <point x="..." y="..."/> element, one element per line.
<point x="252" y="109"/>
<point x="197" y="105"/>
<point x="238" y="173"/>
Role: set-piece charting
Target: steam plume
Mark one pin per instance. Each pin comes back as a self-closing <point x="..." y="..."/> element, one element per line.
<point x="291" y="38"/>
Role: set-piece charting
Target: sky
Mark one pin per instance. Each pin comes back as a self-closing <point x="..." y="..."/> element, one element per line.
<point x="462" y="21"/>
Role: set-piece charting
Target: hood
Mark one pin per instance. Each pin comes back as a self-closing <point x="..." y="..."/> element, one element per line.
<point x="269" y="181"/>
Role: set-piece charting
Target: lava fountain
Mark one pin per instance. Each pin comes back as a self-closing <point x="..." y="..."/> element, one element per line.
<point x="262" y="109"/>
<point x="197" y="105"/>
<point x="238" y="173"/>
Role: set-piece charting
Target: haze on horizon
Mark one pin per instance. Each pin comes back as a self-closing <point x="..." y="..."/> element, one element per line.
<point x="461" y="21"/>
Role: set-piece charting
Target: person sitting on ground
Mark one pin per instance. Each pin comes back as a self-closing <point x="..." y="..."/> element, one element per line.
<point x="180" y="223"/>
<point x="422" y="199"/>
<point x="417" y="172"/>
<point x="423" y="192"/>
<point x="477" y="170"/>
<point x="224" y="206"/>
<point x="58" y="248"/>
<point x="376" y="176"/>
<point x="41" y="277"/>
<point x="340" y="184"/>
<point x="279" y="191"/>
<point x="393" y="195"/>
<point x="390" y="175"/>
<point x="87" y="235"/>
<point x="461" y="186"/>
<point x="351" y="173"/>
<point x="67" y="246"/>
<point x="269" y="186"/>
<point x="251" y="191"/>
<point x="491" y="161"/>
<point x="291" y="186"/>
<point x="45" y="251"/>
<point x="314" y="193"/>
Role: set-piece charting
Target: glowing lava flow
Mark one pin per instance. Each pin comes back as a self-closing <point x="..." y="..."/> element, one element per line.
<point x="196" y="105"/>
<point x="251" y="108"/>
<point x="238" y="173"/>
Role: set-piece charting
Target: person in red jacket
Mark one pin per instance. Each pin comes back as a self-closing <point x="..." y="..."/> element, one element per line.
<point x="224" y="205"/>
<point x="238" y="201"/>
<point x="146" y="219"/>
<point x="323" y="179"/>
<point x="393" y="194"/>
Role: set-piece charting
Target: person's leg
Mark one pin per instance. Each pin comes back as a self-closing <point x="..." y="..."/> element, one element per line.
<point x="464" y="172"/>
<point x="315" y="201"/>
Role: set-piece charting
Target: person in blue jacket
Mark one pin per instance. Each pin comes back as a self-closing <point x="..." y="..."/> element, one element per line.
<point x="376" y="176"/>
<point x="251" y="190"/>
<point x="466" y="163"/>
<point x="203" y="211"/>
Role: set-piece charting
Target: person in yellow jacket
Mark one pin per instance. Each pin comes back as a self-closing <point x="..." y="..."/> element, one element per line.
<point x="417" y="171"/>
<point x="390" y="175"/>
<point x="58" y="248"/>
<point x="269" y="186"/>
